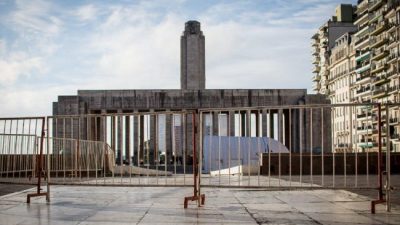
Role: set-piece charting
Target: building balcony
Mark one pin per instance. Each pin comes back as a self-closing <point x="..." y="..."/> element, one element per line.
<point x="361" y="9"/>
<point x="380" y="80"/>
<point x="395" y="137"/>
<point x="363" y="90"/>
<point x="392" y="73"/>
<point x="373" y="5"/>
<point x="361" y="19"/>
<point x="376" y="42"/>
<point x="392" y="57"/>
<point x="393" y="88"/>
<point x="316" y="60"/>
<point x="362" y="56"/>
<point x="317" y="86"/>
<point x="330" y="92"/>
<point x="361" y="78"/>
<point x="393" y="120"/>
<point x="364" y="115"/>
<point x="366" y="144"/>
<point x="362" y="68"/>
<point x="365" y="128"/>
<point x="379" y="92"/>
<point x="379" y="54"/>
<point x="316" y="78"/>
<point x="378" y="28"/>
<point x="316" y="69"/>
<point x="378" y="68"/>
<point x="361" y="40"/>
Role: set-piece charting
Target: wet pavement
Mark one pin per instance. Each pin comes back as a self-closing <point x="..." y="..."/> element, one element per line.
<point x="11" y="188"/>
<point x="164" y="205"/>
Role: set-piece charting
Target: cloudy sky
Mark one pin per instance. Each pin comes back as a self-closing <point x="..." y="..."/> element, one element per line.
<point x="51" y="48"/>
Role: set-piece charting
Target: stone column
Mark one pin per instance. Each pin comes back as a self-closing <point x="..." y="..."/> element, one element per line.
<point x="215" y="123"/>
<point x="141" y="139"/>
<point x="135" y="140"/>
<point x="258" y="116"/>
<point x="152" y="140"/>
<point x="113" y="134"/>
<point x="280" y="126"/>
<point x="128" y="140"/>
<point x="119" y="141"/>
<point x="243" y="124"/>
<point x="168" y="138"/>
<point x="264" y="123"/>
<point x="271" y="126"/>
<point x="231" y="123"/>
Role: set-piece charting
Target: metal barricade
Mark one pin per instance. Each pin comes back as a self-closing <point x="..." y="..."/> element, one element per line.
<point x="308" y="146"/>
<point x="123" y="149"/>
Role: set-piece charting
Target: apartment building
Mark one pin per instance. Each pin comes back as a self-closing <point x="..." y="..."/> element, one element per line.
<point x="377" y="69"/>
<point x="324" y="40"/>
<point x="341" y="77"/>
<point x="364" y="67"/>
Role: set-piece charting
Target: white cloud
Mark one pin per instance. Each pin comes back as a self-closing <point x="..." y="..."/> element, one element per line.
<point x="29" y="100"/>
<point x="33" y="16"/>
<point x="86" y="12"/>
<point x="18" y="64"/>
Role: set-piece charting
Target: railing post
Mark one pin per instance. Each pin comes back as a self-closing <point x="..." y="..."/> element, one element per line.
<point x="40" y="167"/>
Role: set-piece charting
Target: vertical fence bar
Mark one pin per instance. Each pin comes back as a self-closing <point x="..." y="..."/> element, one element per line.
<point x="322" y="128"/>
<point x="388" y="149"/>
<point x="259" y="136"/>
<point x="269" y="145"/>
<point x="248" y="134"/>
<point x="15" y="150"/>
<point x="301" y="145"/>
<point x="148" y="146"/>
<point x="166" y="147"/>
<point x="351" y="129"/>
<point x="211" y="151"/>
<point x="156" y="140"/>
<point x="380" y="151"/>
<point x="219" y="147"/>
<point x="345" y="149"/>
<point x="201" y="150"/>
<point x="311" y="146"/>
<point x="290" y="147"/>
<point x="240" y="170"/>
<point x="333" y="152"/>
<point x="229" y="144"/>
<point x="9" y="150"/>
<point x="174" y="144"/>
<point x="356" y="147"/>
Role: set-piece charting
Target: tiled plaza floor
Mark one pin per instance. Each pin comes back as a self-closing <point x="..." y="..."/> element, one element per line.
<point x="164" y="205"/>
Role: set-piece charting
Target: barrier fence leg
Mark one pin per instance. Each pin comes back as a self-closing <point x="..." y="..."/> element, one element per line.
<point x="39" y="170"/>
<point x="380" y="199"/>
<point x="197" y="196"/>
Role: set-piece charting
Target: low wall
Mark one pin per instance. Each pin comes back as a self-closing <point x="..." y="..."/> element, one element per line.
<point x="363" y="162"/>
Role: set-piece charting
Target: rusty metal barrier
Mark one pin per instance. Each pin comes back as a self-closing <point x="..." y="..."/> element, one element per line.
<point x="310" y="146"/>
<point x="124" y="149"/>
<point x="21" y="152"/>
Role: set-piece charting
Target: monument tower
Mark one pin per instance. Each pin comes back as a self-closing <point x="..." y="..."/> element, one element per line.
<point x="192" y="57"/>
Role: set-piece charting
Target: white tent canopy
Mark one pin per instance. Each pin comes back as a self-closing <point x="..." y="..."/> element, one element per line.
<point x="222" y="152"/>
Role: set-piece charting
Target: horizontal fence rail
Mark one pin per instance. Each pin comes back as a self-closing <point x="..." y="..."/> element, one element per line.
<point x="307" y="146"/>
